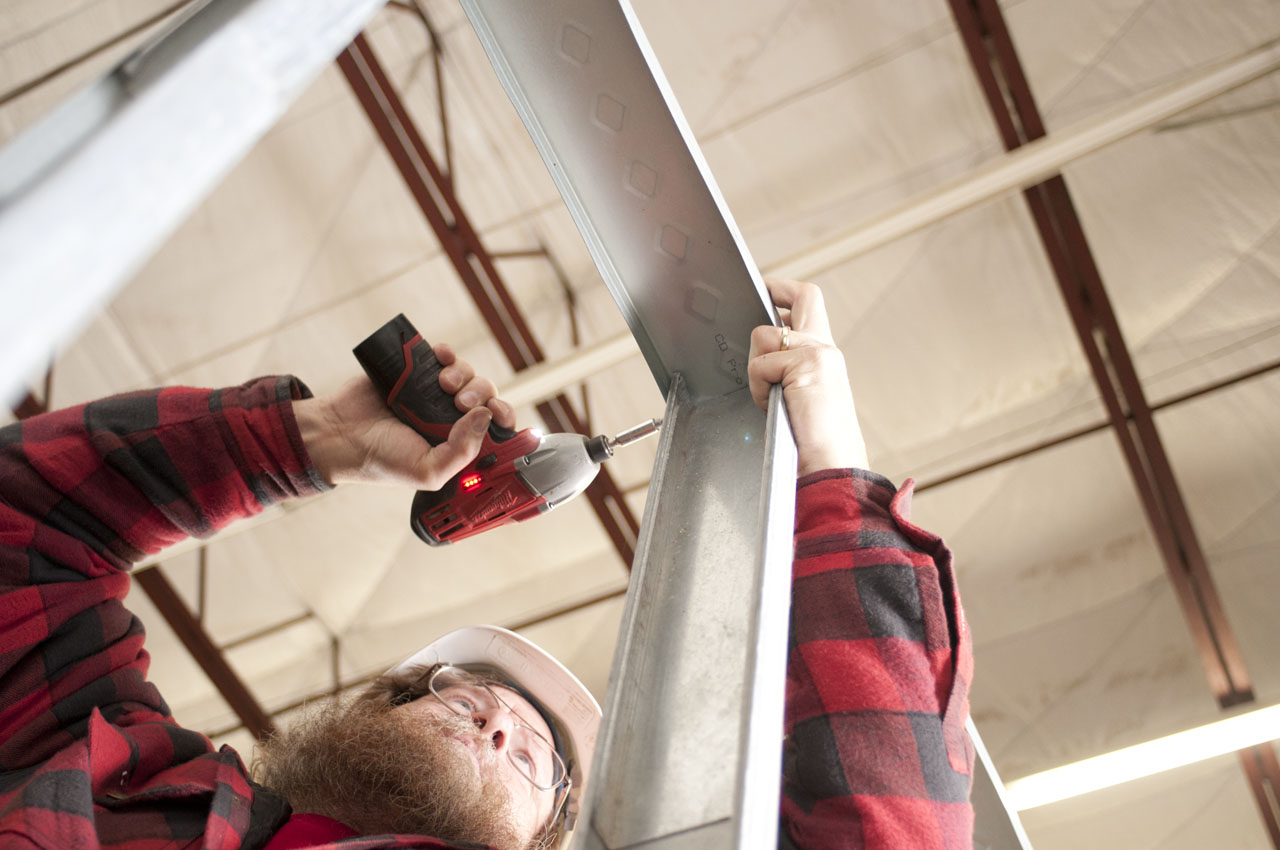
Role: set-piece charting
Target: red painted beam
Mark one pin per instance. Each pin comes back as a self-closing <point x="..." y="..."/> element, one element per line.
<point x="1008" y="94"/>
<point x="1263" y="772"/>
<point x="202" y="648"/>
<point x="30" y="405"/>
<point x="1013" y="107"/>
<point x="474" y="265"/>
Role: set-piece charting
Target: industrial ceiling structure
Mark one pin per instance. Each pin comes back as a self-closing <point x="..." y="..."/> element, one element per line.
<point x="1081" y="377"/>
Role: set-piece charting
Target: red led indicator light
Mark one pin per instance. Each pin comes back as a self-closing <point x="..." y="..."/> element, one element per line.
<point x="470" y="482"/>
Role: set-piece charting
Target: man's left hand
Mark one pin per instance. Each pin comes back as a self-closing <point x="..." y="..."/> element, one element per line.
<point x="352" y="435"/>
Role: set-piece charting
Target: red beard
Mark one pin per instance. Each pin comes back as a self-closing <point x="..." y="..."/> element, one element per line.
<point x="364" y="765"/>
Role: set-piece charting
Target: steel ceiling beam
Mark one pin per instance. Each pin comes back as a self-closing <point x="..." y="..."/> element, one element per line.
<point x="1036" y="448"/>
<point x="515" y="626"/>
<point x="1008" y="93"/>
<point x="93" y="52"/>
<point x="435" y="195"/>
<point x="546" y="381"/>
<point x="584" y="80"/>
<point x="204" y="651"/>
<point x="29" y="405"/>
<point x="1263" y="770"/>
<point x="1032" y="162"/>
<point x="535" y="383"/>
<point x="151" y="138"/>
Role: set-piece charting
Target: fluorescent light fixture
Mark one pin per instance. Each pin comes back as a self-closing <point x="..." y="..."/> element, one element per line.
<point x="1146" y="759"/>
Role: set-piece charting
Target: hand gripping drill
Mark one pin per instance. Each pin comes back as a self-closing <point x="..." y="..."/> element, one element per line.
<point x="517" y="475"/>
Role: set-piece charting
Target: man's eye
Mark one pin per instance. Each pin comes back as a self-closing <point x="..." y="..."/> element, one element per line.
<point x="462" y="704"/>
<point x="526" y="763"/>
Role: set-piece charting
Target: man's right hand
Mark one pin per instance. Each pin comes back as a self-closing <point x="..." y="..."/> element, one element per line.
<point x="814" y="381"/>
<point x="352" y="435"/>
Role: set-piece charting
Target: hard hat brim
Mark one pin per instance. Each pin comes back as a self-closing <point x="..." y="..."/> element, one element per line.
<point x="558" y="692"/>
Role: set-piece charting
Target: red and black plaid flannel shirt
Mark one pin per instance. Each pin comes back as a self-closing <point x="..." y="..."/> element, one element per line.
<point x="878" y="676"/>
<point x="90" y="756"/>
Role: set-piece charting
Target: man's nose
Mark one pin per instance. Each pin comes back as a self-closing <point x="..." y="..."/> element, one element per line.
<point x="496" y="724"/>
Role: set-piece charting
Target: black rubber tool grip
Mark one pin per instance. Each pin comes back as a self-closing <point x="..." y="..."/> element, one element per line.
<point x="406" y="373"/>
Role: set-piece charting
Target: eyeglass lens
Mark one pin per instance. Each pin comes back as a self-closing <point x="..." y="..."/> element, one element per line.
<point x="529" y="752"/>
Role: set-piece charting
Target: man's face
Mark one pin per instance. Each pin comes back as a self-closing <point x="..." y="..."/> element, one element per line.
<point x="416" y="768"/>
<point x="495" y="744"/>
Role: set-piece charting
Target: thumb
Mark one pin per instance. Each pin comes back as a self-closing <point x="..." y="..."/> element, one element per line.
<point x="465" y="438"/>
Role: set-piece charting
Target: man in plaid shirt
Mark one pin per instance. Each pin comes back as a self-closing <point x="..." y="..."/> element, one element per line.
<point x="875" y="752"/>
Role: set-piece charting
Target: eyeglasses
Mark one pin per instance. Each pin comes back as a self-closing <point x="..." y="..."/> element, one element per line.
<point x="532" y="755"/>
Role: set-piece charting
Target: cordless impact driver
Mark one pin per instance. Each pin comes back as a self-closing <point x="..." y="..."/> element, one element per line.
<point x="517" y="474"/>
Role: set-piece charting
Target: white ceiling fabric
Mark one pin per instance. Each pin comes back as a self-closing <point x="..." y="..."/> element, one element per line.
<point x="814" y="115"/>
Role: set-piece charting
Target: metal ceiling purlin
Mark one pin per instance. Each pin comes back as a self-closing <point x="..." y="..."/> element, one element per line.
<point x="340" y="686"/>
<point x="1263" y="771"/>
<point x="518" y="390"/>
<point x="1043" y="445"/>
<point x="1085" y="431"/>
<point x="995" y="60"/>
<point x="697" y="765"/>
<point x="92" y="53"/>
<point x="152" y="136"/>
<point x="588" y="87"/>
<point x="439" y="203"/>
<point x="29" y="405"/>
<point x="204" y="651"/>
<point x="267" y="631"/>
<point x="437" y="54"/>
<point x="1008" y="94"/>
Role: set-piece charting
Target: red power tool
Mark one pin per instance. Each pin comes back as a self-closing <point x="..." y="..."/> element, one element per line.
<point x="516" y="476"/>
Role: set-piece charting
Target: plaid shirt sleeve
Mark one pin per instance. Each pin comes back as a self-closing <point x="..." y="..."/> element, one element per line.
<point x="876" y="753"/>
<point x="83" y="493"/>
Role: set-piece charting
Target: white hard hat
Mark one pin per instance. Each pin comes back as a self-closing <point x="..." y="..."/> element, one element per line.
<point x="565" y="703"/>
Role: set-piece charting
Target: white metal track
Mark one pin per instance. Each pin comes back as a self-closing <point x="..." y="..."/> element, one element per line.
<point x="92" y="190"/>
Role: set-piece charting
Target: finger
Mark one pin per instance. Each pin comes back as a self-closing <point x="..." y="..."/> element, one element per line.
<point x="769" y="364"/>
<point x="447" y="459"/>
<point x="766" y="339"/>
<point x="456" y="376"/>
<point x="758" y="383"/>
<point x="454" y="372"/>
<point x="765" y="371"/>
<point x="805" y="301"/>
<point x="808" y="309"/>
<point x="475" y="392"/>
<point x="784" y="291"/>
<point x="444" y="353"/>
<point x="503" y="413"/>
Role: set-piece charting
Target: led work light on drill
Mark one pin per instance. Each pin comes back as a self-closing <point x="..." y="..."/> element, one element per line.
<point x="516" y="476"/>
